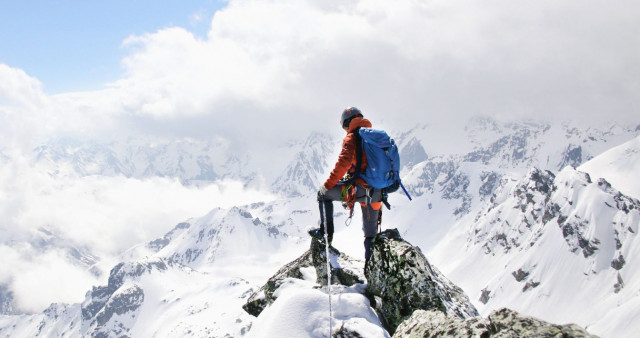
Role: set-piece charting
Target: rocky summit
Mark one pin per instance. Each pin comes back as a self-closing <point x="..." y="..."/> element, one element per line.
<point x="411" y="297"/>
<point x="401" y="280"/>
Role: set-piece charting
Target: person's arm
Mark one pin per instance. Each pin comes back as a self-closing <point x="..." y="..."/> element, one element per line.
<point x="345" y="160"/>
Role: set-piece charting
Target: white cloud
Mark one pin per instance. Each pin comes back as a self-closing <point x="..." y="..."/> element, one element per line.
<point x="107" y="214"/>
<point x="18" y="88"/>
<point x="286" y="67"/>
<point x="21" y="103"/>
<point x="287" y="59"/>
<point x="48" y="277"/>
<point x="46" y="218"/>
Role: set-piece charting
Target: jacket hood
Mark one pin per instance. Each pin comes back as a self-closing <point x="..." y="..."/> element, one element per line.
<point x="359" y="122"/>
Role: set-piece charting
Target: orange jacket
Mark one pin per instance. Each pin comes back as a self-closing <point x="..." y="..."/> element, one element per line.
<point x="347" y="159"/>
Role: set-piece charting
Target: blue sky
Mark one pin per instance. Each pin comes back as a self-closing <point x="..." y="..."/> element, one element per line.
<point x="73" y="45"/>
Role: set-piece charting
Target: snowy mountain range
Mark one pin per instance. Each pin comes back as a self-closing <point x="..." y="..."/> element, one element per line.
<point x="513" y="146"/>
<point x="188" y="160"/>
<point x="501" y="210"/>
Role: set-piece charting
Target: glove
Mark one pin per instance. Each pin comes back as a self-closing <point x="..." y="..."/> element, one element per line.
<point x="323" y="190"/>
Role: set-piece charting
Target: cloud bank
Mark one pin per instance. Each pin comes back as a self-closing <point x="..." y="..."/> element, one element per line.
<point x="286" y="67"/>
<point x="50" y="224"/>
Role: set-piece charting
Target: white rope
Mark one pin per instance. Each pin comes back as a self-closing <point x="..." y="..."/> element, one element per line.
<point x="326" y="245"/>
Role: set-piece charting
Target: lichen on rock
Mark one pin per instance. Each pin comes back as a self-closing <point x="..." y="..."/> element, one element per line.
<point x="399" y="275"/>
<point x="500" y="323"/>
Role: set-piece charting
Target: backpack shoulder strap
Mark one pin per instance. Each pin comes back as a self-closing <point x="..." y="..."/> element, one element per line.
<point x="358" y="140"/>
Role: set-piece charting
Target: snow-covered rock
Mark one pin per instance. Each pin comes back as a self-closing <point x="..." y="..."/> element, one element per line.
<point x="345" y="271"/>
<point x="500" y="323"/>
<point x="110" y="310"/>
<point x="58" y="320"/>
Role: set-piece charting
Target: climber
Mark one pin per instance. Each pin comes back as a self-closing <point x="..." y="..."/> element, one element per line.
<point x="349" y="189"/>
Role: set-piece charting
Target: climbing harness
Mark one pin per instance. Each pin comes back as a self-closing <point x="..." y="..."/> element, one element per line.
<point x="349" y="200"/>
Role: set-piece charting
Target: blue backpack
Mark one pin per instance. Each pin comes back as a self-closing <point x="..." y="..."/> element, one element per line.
<point x="383" y="160"/>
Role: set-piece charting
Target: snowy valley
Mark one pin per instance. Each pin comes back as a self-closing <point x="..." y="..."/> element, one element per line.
<point x="537" y="217"/>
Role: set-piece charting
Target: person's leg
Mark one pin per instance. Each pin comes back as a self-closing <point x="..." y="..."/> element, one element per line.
<point x="369" y="220"/>
<point x="369" y="227"/>
<point x="326" y="217"/>
<point x="370" y="205"/>
<point x="325" y="205"/>
<point x="368" y="242"/>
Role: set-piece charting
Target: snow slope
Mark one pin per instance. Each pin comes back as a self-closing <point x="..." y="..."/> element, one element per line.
<point x="619" y="166"/>
<point x="551" y="246"/>
<point x="302" y="310"/>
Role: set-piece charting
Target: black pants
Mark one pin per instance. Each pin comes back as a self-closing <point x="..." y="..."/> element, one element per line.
<point x="369" y="215"/>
